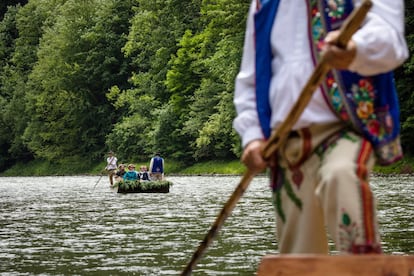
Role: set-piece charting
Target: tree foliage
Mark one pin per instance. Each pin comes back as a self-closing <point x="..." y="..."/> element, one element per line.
<point x="405" y="85"/>
<point x="79" y="60"/>
<point x="80" y="77"/>
<point x="6" y="4"/>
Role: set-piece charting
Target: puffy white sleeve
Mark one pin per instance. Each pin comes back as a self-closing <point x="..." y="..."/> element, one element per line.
<point x="246" y="122"/>
<point x="381" y="45"/>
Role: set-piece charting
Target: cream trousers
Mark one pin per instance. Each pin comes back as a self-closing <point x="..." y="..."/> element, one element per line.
<point x="323" y="187"/>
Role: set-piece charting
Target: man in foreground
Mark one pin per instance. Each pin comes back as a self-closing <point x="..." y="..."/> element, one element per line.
<point x="320" y="175"/>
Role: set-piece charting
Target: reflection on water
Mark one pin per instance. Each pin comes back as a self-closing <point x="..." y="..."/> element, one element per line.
<point x="62" y="225"/>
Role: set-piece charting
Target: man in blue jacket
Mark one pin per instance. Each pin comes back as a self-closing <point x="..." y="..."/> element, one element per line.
<point x="157" y="167"/>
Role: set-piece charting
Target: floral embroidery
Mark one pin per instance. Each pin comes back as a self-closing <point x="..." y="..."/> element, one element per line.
<point x="291" y="194"/>
<point x="277" y="202"/>
<point x="277" y="197"/>
<point x="390" y="151"/>
<point x="348" y="233"/>
<point x="365" y="110"/>
<point x="361" y="95"/>
<point x="374" y="127"/>
<point x="346" y="220"/>
<point x="336" y="97"/>
<point x="318" y="34"/>
<point x="318" y="31"/>
<point x="336" y="8"/>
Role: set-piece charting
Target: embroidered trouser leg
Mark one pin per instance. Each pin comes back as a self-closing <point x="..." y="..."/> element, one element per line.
<point x="324" y="184"/>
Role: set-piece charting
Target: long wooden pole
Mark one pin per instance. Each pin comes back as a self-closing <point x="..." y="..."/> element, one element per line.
<point x="349" y="27"/>
<point x="97" y="182"/>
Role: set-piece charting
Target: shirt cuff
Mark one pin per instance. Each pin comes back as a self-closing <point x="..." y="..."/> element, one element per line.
<point x="250" y="134"/>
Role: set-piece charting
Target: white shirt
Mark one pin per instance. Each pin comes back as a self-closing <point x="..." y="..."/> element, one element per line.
<point x="111" y="160"/>
<point x="381" y="47"/>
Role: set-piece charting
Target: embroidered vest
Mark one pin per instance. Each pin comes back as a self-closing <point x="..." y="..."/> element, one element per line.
<point x="368" y="104"/>
<point x="157" y="166"/>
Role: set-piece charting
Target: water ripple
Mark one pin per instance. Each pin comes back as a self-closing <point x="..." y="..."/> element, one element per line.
<point x="62" y="225"/>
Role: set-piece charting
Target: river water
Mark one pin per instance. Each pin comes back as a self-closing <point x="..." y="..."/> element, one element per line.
<point x="69" y="226"/>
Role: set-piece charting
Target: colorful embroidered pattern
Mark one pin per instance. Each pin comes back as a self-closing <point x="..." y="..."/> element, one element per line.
<point x="277" y="202"/>
<point x="363" y="96"/>
<point x="366" y="194"/>
<point x="294" y="167"/>
<point x="277" y="197"/>
<point x="318" y="32"/>
<point x="348" y="232"/>
<point x="357" y="102"/>
<point x="291" y="194"/>
<point x="390" y="152"/>
<point x="336" y="9"/>
<point x="360" y="237"/>
<point x="318" y="35"/>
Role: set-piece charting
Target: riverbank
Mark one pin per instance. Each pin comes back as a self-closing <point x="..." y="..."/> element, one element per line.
<point x="216" y="167"/>
<point x="82" y="167"/>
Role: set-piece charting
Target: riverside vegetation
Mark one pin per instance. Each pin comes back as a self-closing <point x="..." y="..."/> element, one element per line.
<point x="217" y="167"/>
<point x="78" y="78"/>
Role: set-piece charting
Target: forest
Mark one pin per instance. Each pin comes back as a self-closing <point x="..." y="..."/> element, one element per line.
<point x="79" y="78"/>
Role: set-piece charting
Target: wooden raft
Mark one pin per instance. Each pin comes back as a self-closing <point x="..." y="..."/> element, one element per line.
<point x="343" y="265"/>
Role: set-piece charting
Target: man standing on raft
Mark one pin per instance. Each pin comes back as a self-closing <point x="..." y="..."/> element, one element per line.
<point x="320" y="175"/>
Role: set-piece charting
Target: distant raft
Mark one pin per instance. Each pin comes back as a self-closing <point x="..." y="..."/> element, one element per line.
<point x="128" y="186"/>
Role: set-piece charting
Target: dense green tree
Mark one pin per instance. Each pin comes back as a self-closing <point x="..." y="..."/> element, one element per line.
<point x="155" y="29"/>
<point x="202" y="75"/>
<point x="8" y="35"/>
<point x="30" y="21"/>
<point x="5" y="4"/>
<point x="229" y="17"/>
<point x="79" y="60"/>
<point x="135" y="76"/>
<point x="406" y="86"/>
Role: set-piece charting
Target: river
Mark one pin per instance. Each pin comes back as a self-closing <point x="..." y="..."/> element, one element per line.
<point x="63" y="225"/>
